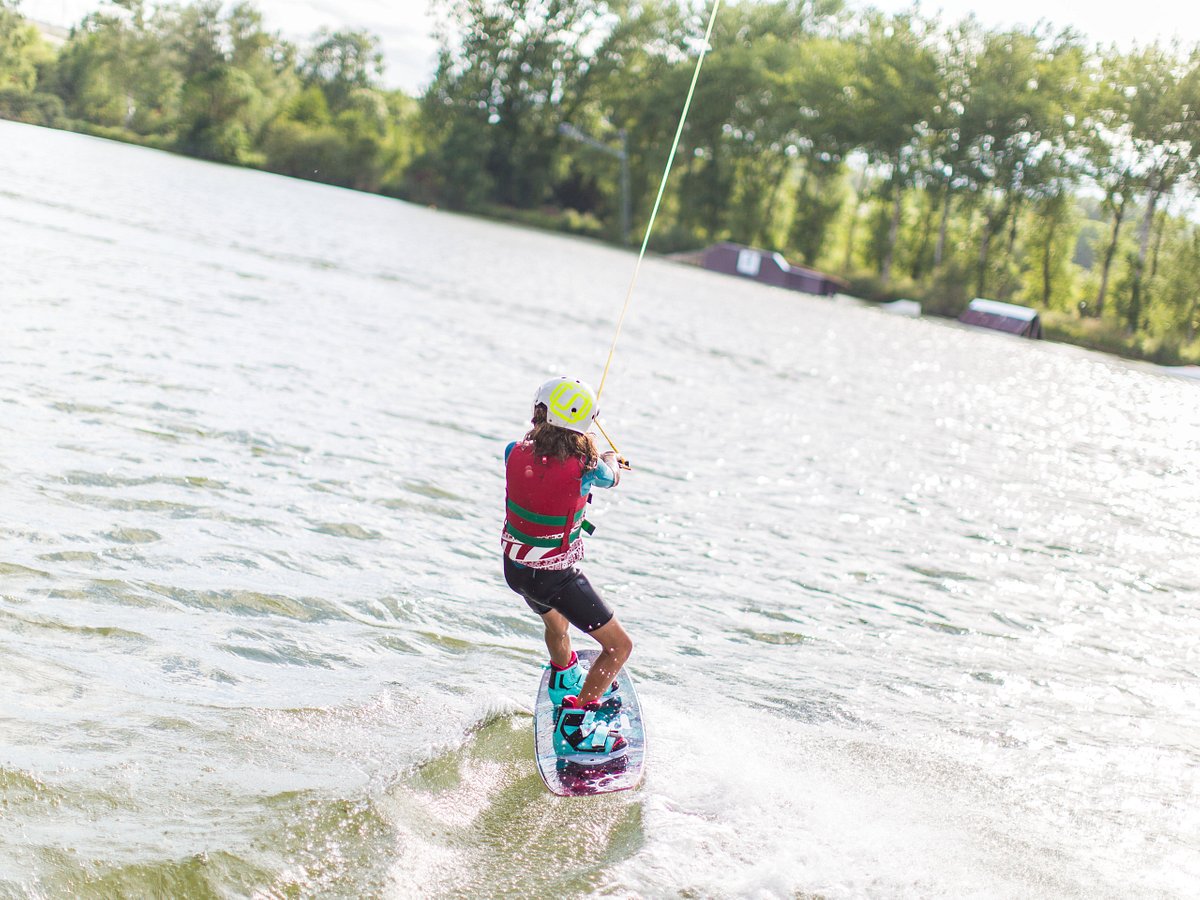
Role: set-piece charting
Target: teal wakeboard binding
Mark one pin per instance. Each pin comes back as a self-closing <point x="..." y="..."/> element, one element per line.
<point x="589" y="735"/>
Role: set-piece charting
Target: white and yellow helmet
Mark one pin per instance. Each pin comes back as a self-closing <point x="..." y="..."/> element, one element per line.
<point x="569" y="403"/>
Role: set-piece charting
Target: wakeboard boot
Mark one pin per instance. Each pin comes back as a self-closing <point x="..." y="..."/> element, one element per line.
<point x="569" y="681"/>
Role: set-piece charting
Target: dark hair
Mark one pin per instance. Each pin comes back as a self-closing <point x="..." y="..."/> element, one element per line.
<point x="561" y="443"/>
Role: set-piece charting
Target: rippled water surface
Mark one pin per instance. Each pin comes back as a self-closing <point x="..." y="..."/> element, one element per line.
<point x="916" y="608"/>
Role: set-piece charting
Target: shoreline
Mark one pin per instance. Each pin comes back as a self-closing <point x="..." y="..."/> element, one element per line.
<point x="1099" y="335"/>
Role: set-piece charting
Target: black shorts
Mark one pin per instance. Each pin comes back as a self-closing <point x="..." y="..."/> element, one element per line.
<point x="566" y="590"/>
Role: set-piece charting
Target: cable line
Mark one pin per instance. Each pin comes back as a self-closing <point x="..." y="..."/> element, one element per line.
<point x="657" y="201"/>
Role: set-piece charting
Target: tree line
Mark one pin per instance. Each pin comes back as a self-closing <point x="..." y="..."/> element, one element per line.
<point x="210" y="81"/>
<point x="915" y="157"/>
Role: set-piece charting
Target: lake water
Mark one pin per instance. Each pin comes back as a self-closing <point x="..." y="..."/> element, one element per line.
<point x="916" y="608"/>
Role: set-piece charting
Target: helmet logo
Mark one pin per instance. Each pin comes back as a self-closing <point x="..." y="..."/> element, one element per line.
<point x="570" y="404"/>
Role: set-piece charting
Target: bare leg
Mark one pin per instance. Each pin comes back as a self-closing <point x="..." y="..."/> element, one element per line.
<point x="558" y="641"/>
<point x="615" y="647"/>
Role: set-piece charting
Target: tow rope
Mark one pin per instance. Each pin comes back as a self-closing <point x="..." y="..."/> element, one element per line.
<point x="662" y="185"/>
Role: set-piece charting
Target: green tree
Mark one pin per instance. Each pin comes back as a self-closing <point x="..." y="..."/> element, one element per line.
<point x="1048" y="249"/>
<point x="946" y="152"/>
<point x="511" y="74"/>
<point x="1178" y="292"/>
<point x="23" y="54"/>
<point x="1018" y="109"/>
<point x="343" y="64"/>
<point x="1155" y="100"/>
<point x="116" y="71"/>
<point x="822" y="133"/>
<point x="1109" y="162"/>
<point x="235" y="76"/>
<point x="20" y="49"/>
<point x="216" y="118"/>
<point x="895" y="92"/>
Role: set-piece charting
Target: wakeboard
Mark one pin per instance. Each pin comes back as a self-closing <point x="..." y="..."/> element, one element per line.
<point x="570" y="779"/>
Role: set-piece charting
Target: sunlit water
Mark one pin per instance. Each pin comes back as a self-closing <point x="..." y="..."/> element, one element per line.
<point x="916" y="608"/>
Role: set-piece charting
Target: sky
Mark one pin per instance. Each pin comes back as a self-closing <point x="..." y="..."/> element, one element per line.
<point x="404" y="26"/>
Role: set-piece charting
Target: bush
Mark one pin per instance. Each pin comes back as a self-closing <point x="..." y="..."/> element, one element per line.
<point x="670" y="239"/>
<point x="871" y="286"/>
<point x="31" y="108"/>
<point x="948" y="292"/>
<point x="314" y="153"/>
<point x="124" y="135"/>
<point x="549" y="219"/>
<point x="1109" y="335"/>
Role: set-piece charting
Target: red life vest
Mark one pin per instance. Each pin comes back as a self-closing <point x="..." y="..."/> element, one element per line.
<point x="544" y="512"/>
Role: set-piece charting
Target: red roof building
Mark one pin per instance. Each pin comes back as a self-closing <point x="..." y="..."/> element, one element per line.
<point x="769" y="268"/>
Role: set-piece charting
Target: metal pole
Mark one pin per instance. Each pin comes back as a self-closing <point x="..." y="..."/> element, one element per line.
<point x="621" y="153"/>
<point x="624" y="188"/>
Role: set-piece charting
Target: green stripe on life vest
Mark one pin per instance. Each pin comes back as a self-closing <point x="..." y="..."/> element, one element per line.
<point x="538" y="518"/>
<point x="537" y="541"/>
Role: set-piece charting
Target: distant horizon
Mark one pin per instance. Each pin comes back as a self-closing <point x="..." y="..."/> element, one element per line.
<point x="405" y="29"/>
